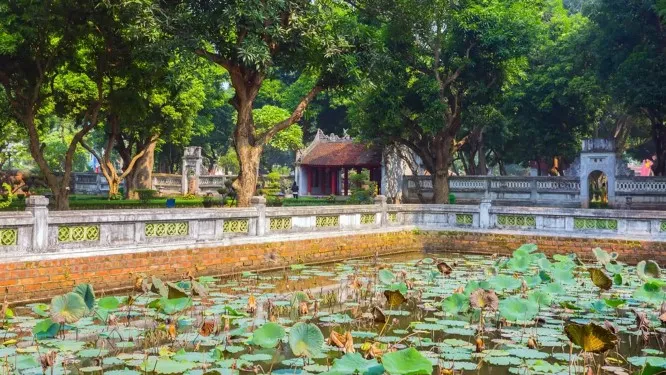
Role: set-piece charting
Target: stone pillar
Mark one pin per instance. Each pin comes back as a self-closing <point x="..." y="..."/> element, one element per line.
<point x="533" y="192"/>
<point x="259" y="203"/>
<point x="37" y="205"/>
<point x="484" y="213"/>
<point x="192" y="162"/>
<point x="383" y="214"/>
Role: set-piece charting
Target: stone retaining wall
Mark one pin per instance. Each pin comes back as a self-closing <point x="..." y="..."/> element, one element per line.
<point x="44" y="278"/>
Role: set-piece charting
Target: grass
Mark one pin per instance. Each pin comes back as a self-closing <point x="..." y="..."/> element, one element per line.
<point x="93" y="202"/>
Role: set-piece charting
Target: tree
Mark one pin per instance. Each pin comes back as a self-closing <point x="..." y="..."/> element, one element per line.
<point x="559" y="100"/>
<point x="630" y="41"/>
<point x="439" y="58"/>
<point x="249" y="39"/>
<point x="51" y="60"/>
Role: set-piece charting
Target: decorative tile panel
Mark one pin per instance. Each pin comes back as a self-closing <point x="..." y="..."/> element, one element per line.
<point x="78" y="233"/>
<point x="663" y="226"/>
<point x="8" y="236"/>
<point x="464" y="219"/>
<point x="171" y="229"/>
<point x="393" y="217"/>
<point x="367" y="219"/>
<point x="516" y="221"/>
<point x="280" y="223"/>
<point x="327" y="221"/>
<point x="236" y="226"/>
<point x="595" y="224"/>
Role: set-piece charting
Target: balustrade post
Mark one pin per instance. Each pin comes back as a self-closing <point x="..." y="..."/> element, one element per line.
<point x="37" y="205"/>
<point x="533" y="191"/>
<point x="484" y="213"/>
<point x="383" y="217"/>
<point x="259" y="203"/>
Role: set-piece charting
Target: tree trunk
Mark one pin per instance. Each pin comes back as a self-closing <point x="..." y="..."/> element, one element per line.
<point x="246" y="183"/>
<point x="440" y="186"/>
<point x="61" y="197"/>
<point x="141" y="176"/>
<point x="443" y="157"/>
<point x="659" y="138"/>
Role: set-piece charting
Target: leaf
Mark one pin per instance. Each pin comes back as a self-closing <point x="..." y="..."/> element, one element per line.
<point x="68" y="308"/>
<point x="46" y="328"/>
<point x="406" y="362"/>
<point x="590" y="337"/>
<point x="516" y="309"/>
<point x="615" y="303"/>
<point x="541" y="298"/>
<point x="174" y="291"/>
<point x="455" y="303"/>
<point x="600" y="279"/>
<point x="385" y="276"/>
<point x="165" y="366"/>
<point x="504" y="283"/>
<point x="602" y="256"/>
<point x="354" y="363"/>
<point x="108" y="303"/>
<point x="305" y="339"/>
<point x="268" y="335"/>
<point x="394" y="298"/>
<point x="444" y="268"/>
<point x="648" y="270"/>
<point x="87" y="293"/>
<point x="158" y="287"/>
<point x="172" y="306"/>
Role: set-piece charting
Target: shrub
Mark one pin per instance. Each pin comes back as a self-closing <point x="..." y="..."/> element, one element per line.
<point x="211" y="201"/>
<point x="145" y="195"/>
<point x="362" y="189"/>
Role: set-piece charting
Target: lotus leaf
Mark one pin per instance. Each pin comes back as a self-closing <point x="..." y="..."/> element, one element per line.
<point x="600" y="279"/>
<point x="504" y="283"/>
<point x="516" y="309"/>
<point x="87" y="293"/>
<point x="455" y="303"/>
<point x="648" y="269"/>
<point x="268" y="335"/>
<point x="386" y="276"/>
<point x="407" y="362"/>
<point x="68" y="308"/>
<point x="108" y="303"/>
<point x="165" y="366"/>
<point x="590" y="337"/>
<point x="354" y="363"/>
<point x="305" y="339"/>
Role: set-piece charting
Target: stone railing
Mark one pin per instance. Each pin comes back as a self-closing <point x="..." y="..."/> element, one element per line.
<point x="504" y="190"/>
<point x="37" y="231"/>
<point x="167" y="183"/>
<point x="640" y="192"/>
<point x="631" y="192"/>
<point x="89" y="183"/>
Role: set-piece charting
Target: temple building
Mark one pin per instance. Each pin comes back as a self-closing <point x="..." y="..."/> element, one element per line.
<point x="323" y="167"/>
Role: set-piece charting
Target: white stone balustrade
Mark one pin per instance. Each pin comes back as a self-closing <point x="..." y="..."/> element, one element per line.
<point x="37" y="232"/>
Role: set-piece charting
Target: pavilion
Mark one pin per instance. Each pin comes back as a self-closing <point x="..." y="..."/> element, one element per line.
<point x="323" y="167"/>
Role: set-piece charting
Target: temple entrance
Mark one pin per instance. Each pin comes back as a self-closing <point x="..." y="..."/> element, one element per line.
<point x="598" y="185"/>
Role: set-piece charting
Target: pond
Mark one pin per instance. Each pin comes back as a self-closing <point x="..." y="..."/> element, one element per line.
<point x="437" y="313"/>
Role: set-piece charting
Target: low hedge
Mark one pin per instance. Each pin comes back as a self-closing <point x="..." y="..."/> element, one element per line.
<point x="300" y="202"/>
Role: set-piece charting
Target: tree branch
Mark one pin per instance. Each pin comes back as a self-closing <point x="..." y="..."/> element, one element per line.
<point x="295" y="115"/>
<point x="214" y="57"/>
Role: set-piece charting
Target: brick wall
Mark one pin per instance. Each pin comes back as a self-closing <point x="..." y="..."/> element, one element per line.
<point x="43" y="279"/>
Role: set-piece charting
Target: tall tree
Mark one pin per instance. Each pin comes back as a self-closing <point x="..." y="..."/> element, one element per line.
<point x="51" y="59"/>
<point x="440" y="57"/>
<point x="559" y="100"/>
<point x="252" y="38"/>
<point x="631" y="44"/>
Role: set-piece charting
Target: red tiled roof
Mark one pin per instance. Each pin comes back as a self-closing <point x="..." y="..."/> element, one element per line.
<point x="341" y="154"/>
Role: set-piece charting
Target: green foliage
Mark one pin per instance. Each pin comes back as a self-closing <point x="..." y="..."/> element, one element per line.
<point x="362" y="189"/>
<point x="145" y="195"/>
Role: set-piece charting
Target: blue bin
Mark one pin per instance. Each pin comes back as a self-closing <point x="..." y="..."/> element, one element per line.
<point x="170" y="203"/>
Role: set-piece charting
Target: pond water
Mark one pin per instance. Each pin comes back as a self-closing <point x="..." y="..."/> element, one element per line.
<point x="405" y="314"/>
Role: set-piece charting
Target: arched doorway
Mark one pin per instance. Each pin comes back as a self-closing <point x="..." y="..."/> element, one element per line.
<point x="598" y="193"/>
